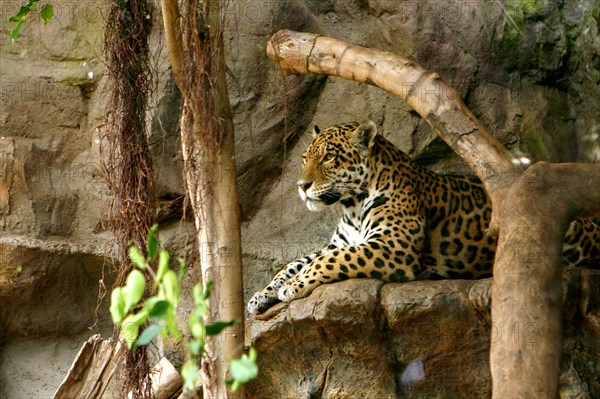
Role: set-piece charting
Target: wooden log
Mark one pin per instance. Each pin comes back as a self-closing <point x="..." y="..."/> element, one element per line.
<point x="166" y="381"/>
<point x="92" y="369"/>
<point x="95" y="365"/>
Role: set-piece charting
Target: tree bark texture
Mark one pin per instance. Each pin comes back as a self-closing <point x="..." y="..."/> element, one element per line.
<point x="527" y="292"/>
<point x="531" y="223"/>
<point x="210" y="174"/>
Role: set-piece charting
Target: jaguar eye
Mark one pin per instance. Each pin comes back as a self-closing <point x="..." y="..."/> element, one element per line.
<point x="328" y="158"/>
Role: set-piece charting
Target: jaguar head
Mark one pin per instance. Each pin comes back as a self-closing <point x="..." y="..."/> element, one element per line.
<point x="335" y="165"/>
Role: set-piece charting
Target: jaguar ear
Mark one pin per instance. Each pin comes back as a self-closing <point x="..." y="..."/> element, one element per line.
<point x="315" y="131"/>
<point x="364" y="135"/>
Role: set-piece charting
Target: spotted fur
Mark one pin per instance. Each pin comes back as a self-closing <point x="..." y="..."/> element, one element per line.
<point x="400" y="222"/>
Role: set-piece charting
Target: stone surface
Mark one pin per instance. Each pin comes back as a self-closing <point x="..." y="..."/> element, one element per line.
<point x="326" y="343"/>
<point x="41" y="290"/>
<point x="366" y="339"/>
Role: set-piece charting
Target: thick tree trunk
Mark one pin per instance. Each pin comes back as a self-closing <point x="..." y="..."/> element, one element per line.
<point x="210" y="172"/>
<point x="213" y="192"/>
<point x="527" y="291"/>
<point x="533" y="221"/>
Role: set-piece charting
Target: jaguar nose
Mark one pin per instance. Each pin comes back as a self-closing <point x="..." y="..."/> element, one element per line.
<point x="304" y="185"/>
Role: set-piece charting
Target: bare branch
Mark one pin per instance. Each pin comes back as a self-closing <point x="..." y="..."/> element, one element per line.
<point x="171" y="21"/>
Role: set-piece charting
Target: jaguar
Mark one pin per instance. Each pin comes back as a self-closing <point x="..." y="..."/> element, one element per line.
<point x="400" y="222"/>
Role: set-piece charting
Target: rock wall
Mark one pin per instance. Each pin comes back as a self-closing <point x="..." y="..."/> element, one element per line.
<point x="528" y="69"/>
<point x="427" y="339"/>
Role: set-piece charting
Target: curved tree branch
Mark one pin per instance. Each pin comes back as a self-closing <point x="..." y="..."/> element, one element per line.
<point x="432" y="98"/>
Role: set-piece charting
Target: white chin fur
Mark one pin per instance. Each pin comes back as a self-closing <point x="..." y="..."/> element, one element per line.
<point x="315" y="206"/>
<point x="311" y="204"/>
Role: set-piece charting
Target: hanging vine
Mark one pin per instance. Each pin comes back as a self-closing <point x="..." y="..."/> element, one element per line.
<point x="126" y="161"/>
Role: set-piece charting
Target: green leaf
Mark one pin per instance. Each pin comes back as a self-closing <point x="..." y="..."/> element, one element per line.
<point x="134" y="289"/>
<point x="136" y="257"/>
<point x="244" y="369"/>
<point x="47" y="12"/>
<point x="172" y="324"/>
<point x="150" y="302"/>
<point x="218" y="326"/>
<point x="196" y="323"/>
<point x="163" y="265"/>
<point x="130" y="327"/>
<point x="148" y="335"/>
<point x="152" y="243"/>
<point x="252" y="354"/>
<point x="182" y="269"/>
<point x="152" y="230"/>
<point x="235" y="384"/>
<point x="196" y="348"/>
<point x="15" y="32"/>
<point x="197" y="329"/>
<point x="189" y="374"/>
<point x="157" y="307"/>
<point x="117" y="305"/>
<point x="201" y="309"/>
<point x="21" y="15"/>
<point x="164" y="333"/>
<point x="198" y="295"/>
<point x="137" y="318"/>
<point x="130" y="332"/>
<point x="208" y="289"/>
<point x="170" y="286"/>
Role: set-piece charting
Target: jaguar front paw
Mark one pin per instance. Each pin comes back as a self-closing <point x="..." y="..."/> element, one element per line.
<point x="259" y="303"/>
<point x="286" y="293"/>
